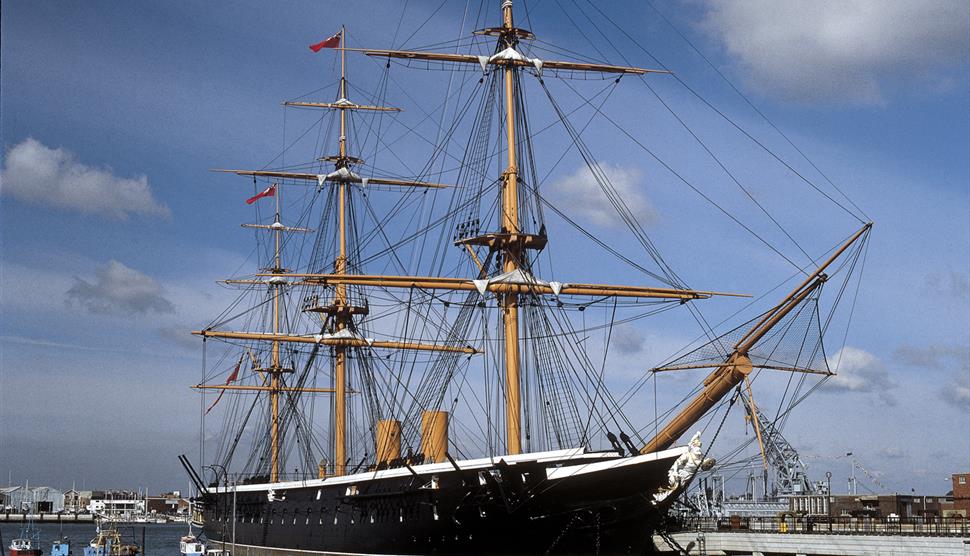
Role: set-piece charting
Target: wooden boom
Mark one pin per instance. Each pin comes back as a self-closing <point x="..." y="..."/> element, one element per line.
<point x="737" y="366"/>
<point x="500" y="61"/>
<point x="444" y="283"/>
<point x="342" y="106"/>
<point x="339" y="342"/>
<point x="262" y="388"/>
<point x="316" y="177"/>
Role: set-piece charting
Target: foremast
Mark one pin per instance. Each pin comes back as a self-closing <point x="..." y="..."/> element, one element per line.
<point x="341" y="310"/>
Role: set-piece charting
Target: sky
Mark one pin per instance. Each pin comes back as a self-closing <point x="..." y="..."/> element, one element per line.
<point x="113" y="231"/>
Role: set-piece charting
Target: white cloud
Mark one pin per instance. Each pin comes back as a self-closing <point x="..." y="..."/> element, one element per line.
<point x="859" y="371"/>
<point x="845" y="50"/>
<point x="627" y="339"/>
<point x="892" y="452"/>
<point x="180" y="335"/>
<point x="933" y="356"/>
<point x="580" y="194"/>
<point x="948" y="284"/>
<point x="39" y="174"/>
<point x="957" y="391"/>
<point x="120" y="290"/>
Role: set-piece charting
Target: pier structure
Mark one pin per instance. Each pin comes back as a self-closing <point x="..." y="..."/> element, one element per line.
<point x="66" y="517"/>
<point x="817" y="537"/>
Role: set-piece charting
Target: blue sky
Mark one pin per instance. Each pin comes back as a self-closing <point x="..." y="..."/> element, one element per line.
<point x="107" y="263"/>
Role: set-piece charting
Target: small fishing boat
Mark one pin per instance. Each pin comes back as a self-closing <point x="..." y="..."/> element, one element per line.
<point x="108" y="542"/>
<point x="28" y="543"/>
<point x="61" y="547"/>
<point x="24" y="546"/>
<point x="192" y="546"/>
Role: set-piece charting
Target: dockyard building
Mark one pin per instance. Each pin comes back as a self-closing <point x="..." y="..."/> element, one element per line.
<point x="116" y="503"/>
<point x="170" y="504"/>
<point x="888" y="505"/>
<point x="35" y="500"/>
<point x="11" y="498"/>
<point x="961" y="494"/>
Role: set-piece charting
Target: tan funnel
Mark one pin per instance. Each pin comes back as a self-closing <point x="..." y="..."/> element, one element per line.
<point x="434" y="435"/>
<point x="388" y="440"/>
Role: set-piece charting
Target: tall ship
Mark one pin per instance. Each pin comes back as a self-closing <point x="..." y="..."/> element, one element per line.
<point x="408" y="371"/>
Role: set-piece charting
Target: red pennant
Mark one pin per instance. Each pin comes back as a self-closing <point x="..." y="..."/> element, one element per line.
<point x="332" y="42"/>
<point x="268" y="192"/>
<point x="230" y="380"/>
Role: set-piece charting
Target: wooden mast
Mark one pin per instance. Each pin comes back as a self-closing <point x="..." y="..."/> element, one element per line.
<point x="340" y="301"/>
<point x="737" y="366"/>
<point x="511" y="257"/>
<point x="276" y="369"/>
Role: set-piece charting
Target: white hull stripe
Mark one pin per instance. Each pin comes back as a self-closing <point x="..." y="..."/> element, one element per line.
<point x="574" y="455"/>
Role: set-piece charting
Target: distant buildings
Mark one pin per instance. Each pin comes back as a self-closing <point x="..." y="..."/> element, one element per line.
<point x="170" y="504"/>
<point x="953" y="504"/>
<point x="886" y="505"/>
<point x="76" y="501"/>
<point x="40" y="499"/>
<point x="119" y="504"/>
<point x="961" y="494"/>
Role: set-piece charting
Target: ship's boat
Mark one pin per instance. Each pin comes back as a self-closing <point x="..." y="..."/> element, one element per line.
<point x="466" y="410"/>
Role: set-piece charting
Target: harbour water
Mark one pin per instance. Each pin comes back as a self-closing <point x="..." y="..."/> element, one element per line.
<point x="159" y="539"/>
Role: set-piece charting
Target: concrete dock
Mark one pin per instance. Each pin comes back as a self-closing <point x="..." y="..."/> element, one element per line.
<point x="816" y="537"/>
<point x="46" y="518"/>
<point x="802" y="544"/>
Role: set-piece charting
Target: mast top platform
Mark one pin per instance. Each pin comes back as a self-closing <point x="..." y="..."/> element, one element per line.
<point x="517" y="32"/>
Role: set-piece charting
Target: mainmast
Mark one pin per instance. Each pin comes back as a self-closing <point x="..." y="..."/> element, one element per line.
<point x="511" y="258"/>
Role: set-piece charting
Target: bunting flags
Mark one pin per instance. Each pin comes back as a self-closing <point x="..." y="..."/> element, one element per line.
<point x="332" y="42"/>
<point x="232" y="378"/>
<point x="268" y="192"/>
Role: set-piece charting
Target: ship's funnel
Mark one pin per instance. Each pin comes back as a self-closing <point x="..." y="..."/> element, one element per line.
<point x="388" y="441"/>
<point x="434" y="435"/>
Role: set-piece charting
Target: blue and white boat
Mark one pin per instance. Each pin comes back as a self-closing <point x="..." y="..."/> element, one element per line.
<point x="61" y="547"/>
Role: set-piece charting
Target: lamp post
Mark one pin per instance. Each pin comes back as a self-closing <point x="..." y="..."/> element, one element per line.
<point x="852" y="487"/>
<point x="225" y="482"/>
<point x="828" y="496"/>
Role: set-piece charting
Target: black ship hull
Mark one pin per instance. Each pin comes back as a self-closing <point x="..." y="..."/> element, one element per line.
<point x="585" y="504"/>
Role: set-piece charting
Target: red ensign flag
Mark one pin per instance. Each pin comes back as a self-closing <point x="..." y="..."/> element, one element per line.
<point x="332" y="42"/>
<point x="268" y="192"/>
<point x="232" y="378"/>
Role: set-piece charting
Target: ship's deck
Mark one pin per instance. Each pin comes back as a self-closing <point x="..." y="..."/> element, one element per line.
<point x="566" y="457"/>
